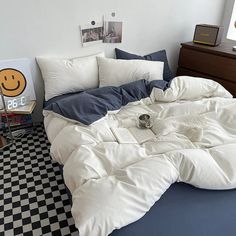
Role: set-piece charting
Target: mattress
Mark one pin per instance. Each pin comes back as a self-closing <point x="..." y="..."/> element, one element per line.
<point x="187" y="211"/>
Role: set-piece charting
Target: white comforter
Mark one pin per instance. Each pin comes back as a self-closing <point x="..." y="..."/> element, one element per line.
<point x="115" y="184"/>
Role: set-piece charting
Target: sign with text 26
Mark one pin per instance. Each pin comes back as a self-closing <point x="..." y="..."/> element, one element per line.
<point x="16" y="83"/>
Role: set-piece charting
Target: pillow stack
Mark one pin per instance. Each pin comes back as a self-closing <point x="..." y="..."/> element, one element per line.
<point x="63" y="76"/>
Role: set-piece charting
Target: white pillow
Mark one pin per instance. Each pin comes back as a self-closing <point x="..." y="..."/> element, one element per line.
<point x="63" y="76"/>
<point x="115" y="72"/>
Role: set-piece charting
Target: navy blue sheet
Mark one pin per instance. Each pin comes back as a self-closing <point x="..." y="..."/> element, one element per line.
<point x="92" y="105"/>
<point x="187" y="211"/>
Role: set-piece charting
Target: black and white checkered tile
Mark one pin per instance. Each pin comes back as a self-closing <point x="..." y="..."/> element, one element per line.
<point x="33" y="198"/>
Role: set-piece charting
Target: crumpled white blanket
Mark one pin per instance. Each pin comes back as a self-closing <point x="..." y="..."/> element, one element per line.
<point x="116" y="184"/>
<point x="188" y="125"/>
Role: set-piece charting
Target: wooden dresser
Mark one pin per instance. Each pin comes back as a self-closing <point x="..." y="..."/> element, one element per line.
<point x="217" y="63"/>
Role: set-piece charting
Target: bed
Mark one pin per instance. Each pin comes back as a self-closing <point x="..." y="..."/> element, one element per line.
<point x="147" y="186"/>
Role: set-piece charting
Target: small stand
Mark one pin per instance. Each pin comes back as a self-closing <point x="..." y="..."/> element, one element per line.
<point x="6" y="142"/>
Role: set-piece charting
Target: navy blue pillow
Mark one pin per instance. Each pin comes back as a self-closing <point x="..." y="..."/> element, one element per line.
<point x="156" y="56"/>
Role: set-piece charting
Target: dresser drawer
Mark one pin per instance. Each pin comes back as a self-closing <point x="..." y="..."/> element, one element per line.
<point x="207" y="63"/>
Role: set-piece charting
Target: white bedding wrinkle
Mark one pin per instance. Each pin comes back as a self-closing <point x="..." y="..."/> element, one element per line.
<point x="115" y="184"/>
<point x="116" y="72"/>
<point x="185" y="88"/>
<point x="188" y="125"/>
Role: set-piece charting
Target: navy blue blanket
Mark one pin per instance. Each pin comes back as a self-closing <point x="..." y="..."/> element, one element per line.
<point x="91" y="105"/>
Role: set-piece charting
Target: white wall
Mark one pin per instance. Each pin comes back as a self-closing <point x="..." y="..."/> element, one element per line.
<point x="227" y="16"/>
<point x="31" y="28"/>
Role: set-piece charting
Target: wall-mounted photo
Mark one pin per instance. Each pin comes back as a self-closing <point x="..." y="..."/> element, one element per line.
<point x="91" y="34"/>
<point x="112" y="32"/>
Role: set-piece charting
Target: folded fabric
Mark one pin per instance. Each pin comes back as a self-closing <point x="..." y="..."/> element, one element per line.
<point x="189" y="125"/>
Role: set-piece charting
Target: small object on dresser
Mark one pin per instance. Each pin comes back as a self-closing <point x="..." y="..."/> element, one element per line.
<point x="208" y="34"/>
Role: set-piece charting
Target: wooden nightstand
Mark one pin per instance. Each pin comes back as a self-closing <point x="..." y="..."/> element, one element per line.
<point x="217" y="63"/>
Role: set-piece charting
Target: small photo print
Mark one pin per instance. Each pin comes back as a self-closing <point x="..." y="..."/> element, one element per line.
<point x="112" y="32"/>
<point x="91" y="35"/>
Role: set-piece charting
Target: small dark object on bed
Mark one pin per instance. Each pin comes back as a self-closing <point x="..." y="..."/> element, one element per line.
<point x="144" y="121"/>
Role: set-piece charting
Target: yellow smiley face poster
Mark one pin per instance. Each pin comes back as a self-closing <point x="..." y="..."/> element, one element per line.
<point x="16" y="80"/>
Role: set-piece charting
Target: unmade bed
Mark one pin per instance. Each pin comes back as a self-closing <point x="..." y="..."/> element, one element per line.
<point x="114" y="184"/>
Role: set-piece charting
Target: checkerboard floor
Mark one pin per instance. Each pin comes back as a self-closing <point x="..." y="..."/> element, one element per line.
<point x="33" y="198"/>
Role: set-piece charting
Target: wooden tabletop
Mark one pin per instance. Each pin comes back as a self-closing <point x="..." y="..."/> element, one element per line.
<point x="224" y="49"/>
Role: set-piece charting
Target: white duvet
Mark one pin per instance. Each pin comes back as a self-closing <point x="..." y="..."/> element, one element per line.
<point x="115" y="184"/>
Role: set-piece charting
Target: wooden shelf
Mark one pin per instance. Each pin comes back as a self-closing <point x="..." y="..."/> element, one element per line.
<point x="24" y="110"/>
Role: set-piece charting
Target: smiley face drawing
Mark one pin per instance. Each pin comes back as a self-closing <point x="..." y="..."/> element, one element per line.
<point x="12" y="82"/>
